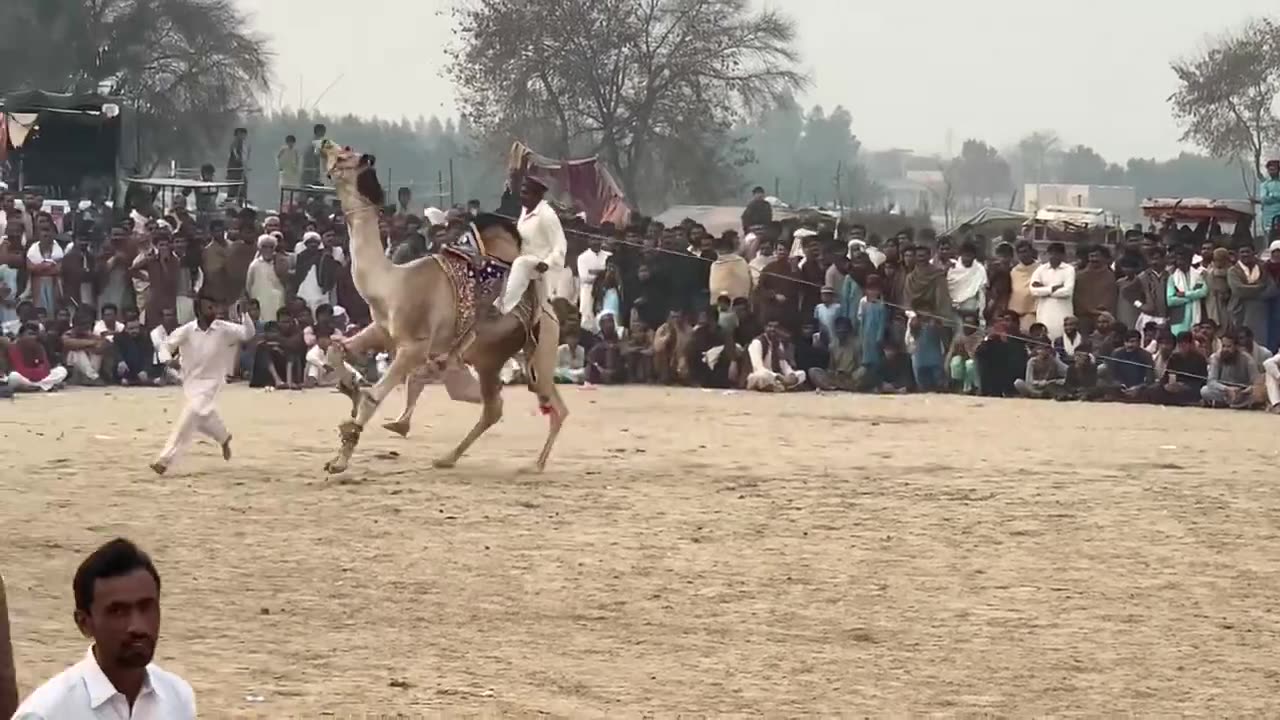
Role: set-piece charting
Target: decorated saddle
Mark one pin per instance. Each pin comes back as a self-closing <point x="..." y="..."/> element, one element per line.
<point x="475" y="286"/>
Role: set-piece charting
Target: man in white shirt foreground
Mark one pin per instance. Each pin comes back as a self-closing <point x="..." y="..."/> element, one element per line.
<point x="543" y="245"/>
<point x="207" y="346"/>
<point x="117" y="595"/>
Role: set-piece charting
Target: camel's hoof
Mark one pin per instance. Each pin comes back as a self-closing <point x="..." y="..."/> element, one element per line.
<point x="335" y="467"/>
<point x="399" y="428"/>
<point x="444" y="463"/>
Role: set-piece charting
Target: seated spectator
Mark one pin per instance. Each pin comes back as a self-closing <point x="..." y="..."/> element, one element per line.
<point x="771" y="370"/>
<point x="1232" y="375"/>
<point x="1166" y="345"/>
<point x="747" y="327"/>
<point x="571" y="361"/>
<point x="605" y="365"/>
<point x="25" y="312"/>
<point x="318" y="372"/>
<point x="1107" y="335"/>
<point x="810" y="349"/>
<point x="166" y="364"/>
<point x="667" y="342"/>
<point x="270" y="367"/>
<point x="844" y="371"/>
<point x="29" y="366"/>
<point x="1001" y="360"/>
<point x="1070" y="340"/>
<point x="895" y="373"/>
<point x="1046" y="374"/>
<point x="711" y="354"/>
<point x="85" y="350"/>
<point x="108" y="326"/>
<point x="637" y="351"/>
<point x="294" y="346"/>
<point x="924" y="343"/>
<point x="136" y="356"/>
<point x="1081" y="381"/>
<point x="961" y="361"/>
<point x="1184" y="375"/>
<point x="1244" y="337"/>
<point x="1130" y="368"/>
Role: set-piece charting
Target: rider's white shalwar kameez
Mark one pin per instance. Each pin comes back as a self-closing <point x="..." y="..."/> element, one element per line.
<point x="542" y="241"/>
<point x="205" y="356"/>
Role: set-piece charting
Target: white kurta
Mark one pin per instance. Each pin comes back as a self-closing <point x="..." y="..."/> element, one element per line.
<point x="1053" y="306"/>
<point x="762" y="376"/>
<point x="264" y="285"/>
<point x="542" y="241"/>
<point x="205" y="356"/>
<point x="591" y="264"/>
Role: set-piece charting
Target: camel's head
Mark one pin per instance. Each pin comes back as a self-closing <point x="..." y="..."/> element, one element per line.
<point x="344" y="165"/>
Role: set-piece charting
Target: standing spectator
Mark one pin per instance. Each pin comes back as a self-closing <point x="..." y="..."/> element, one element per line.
<point x="1217" y="304"/>
<point x="1095" y="290"/>
<point x="29" y="366"/>
<point x="1153" y="305"/>
<point x="117" y="598"/>
<point x="265" y="281"/>
<point x="1269" y="197"/>
<point x="1185" y="290"/>
<point x="236" y="163"/>
<point x="114" y="286"/>
<point x="207" y="347"/>
<point x="1053" y="285"/>
<point x="825" y="314"/>
<point x="1249" y="291"/>
<point x="591" y="265"/>
<point x="872" y="321"/>
<point x="289" y="162"/>
<point x="311" y="163"/>
<point x="44" y="268"/>
<point x="967" y="282"/>
<point x="1128" y="293"/>
<point x="160" y="268"/>
<point x="758" y="210"/>
<point x="78" y="273"/>
<point x="11" y="259"/>
<point x="927" y="290"/>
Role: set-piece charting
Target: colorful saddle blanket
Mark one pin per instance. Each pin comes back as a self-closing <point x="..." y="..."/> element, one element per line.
<point x="475" y="288"/>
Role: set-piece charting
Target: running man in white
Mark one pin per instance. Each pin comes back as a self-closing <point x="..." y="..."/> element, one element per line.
<point x="204" y="347"/>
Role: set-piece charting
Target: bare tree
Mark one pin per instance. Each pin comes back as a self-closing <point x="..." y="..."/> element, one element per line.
<point x="1226" y="96"/>
<point x="630" y="80"/>
<point x="187" y="67"/>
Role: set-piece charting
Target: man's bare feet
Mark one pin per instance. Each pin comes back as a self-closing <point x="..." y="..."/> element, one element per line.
<point x="226" y="449"/>
<point x="159" y="468"/>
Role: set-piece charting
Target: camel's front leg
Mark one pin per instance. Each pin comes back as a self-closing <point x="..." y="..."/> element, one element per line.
<point x="373" y="337"/>
<point x="491" y="395"/>
<point x="407" y="358"/>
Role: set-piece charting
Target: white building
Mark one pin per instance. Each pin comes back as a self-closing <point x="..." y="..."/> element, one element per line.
<point x="1119" y="200"/>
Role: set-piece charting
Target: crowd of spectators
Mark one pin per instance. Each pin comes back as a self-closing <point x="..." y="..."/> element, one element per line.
<point x="1175" y="315"/>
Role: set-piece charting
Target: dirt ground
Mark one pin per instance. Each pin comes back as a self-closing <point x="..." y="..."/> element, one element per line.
<point x="685" y="552"/>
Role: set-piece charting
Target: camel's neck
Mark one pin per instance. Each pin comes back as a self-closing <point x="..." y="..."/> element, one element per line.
<point x="368" y="259"/>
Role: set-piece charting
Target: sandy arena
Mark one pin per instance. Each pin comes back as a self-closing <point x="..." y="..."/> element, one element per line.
<point x="685" y="552"/>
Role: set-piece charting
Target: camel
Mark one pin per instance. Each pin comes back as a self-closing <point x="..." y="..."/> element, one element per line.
<point x="417" y="309"/>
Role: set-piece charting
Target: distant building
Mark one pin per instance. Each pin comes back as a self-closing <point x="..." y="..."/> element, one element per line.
<point x="1118" y="200"/>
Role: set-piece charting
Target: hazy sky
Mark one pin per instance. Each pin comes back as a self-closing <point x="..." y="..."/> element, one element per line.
<point x="914" y="73"/>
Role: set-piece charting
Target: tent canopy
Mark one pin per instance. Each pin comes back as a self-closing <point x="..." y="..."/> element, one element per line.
<point x="991" y="216"/>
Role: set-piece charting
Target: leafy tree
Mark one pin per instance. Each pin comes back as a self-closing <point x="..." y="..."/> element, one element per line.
<point x="187" y="67"/>
<point x="630" y="80"/>
<point x="1084" y="166"/>
<point x="1226" y="97"/>
<point x="979" y="172"/>
<point x="802" y="153"/>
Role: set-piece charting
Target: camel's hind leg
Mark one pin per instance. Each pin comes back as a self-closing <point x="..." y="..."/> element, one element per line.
<point x="407" y="358"/>
<point x="491" y="396"/>
<point x="543" y="369"/>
